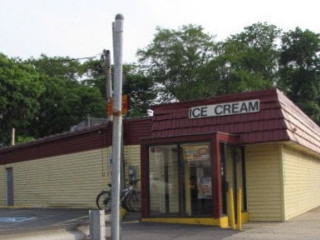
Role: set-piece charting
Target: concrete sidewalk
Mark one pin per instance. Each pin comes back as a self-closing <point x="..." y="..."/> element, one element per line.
<point x="62" y="224"/>
<point x="303" y="227"/>
<point x="65" y="224"/>
<point x="161" y="231"/>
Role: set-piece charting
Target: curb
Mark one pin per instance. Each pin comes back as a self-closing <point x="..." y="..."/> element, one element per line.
<point x="77" y="233"/>
<point x="66" y="232"/>
<point x="73" y="232"/>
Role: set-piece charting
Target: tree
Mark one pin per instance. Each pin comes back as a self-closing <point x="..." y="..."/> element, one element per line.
<point x="138" y="87"/>
<point x="141" y="93"/>
<point x="65" y="101"/>
<point x="173" y="61"/>
<point x="93" y="74"/>
<point x="20" y="88"/>
<point x="248" y="60"/>
<point x="62" y="67"/>
<point x="300" y="70"/>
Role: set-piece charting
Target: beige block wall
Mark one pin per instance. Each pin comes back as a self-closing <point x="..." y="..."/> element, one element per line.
<point x="132" y="158"/>
<point x="301" y="182"/>
<point x="264" y="182"/>
<point x="71" y="180"/>
<point x="2" y="186"/>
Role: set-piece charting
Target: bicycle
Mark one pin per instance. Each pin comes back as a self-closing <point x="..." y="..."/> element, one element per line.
<point x="129" y="198"/>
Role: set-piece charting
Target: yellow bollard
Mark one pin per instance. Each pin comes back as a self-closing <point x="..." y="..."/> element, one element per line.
<point x="239" y="209"/>
<point x="123" y="212"/>
<point x="231" y="208"/>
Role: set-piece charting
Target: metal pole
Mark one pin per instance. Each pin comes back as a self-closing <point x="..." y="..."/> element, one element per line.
<point x="97" y="227"/>
<point x="13" y="136"/>
<point x="117" y="126"/>
<point x="122" y="183"/>
<point x="106" y="56"/>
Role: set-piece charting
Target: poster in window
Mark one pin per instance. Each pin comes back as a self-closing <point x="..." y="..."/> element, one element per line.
<point x="195" y="154"/>
<point x="204" y="187"/>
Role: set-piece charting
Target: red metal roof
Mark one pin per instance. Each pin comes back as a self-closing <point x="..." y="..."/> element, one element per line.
<point x="278" y="120"/>
<point x="89" y="138"/>
<point x="300" y="128"/>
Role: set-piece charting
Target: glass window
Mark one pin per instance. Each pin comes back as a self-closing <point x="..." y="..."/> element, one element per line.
<point x="163" y="180"/>
<point x="232" y="163"/>
<point x="180" y="180"/>
<point x="197" y="173"/>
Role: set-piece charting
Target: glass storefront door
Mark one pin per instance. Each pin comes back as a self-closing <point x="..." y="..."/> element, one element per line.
<point x="232" y="173"/>
<point x="191" y="178"/>
<point x="197" y="178"/>
<point x="163" y="180"/>
<point x="180" y="180"/>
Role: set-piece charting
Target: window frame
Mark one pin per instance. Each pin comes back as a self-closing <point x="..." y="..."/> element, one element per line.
<point x="214" y="139"/>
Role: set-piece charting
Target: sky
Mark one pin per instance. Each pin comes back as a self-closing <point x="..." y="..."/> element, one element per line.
<point x="83" y="28"/>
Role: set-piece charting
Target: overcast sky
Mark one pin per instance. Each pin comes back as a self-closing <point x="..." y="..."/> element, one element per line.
<point x="82" y="28"/>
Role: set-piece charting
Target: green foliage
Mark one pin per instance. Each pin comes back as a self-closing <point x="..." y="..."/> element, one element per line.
<point x="300" y="70"/>
<point x="24" y="139"/>
<point x="173" y="60"/>
<point x="48" y="95"/>
<point x="141" y="93"/>
<point x="138" y="87"/>
<point x="248" y="60"/>
<point x="20" y="88"/>
<point x="60" y="67"/>
<point x="188" y="64"/>
<point x="93" y="74"/>
<point x="66" y="101"/>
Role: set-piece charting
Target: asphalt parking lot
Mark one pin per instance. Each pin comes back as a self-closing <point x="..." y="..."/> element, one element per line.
<point x="64" y="224"/>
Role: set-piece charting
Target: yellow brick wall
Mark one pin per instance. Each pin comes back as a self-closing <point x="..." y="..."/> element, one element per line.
<point x="71" y="180"/>
<point x="74" y="180"/>
<point x="132" y="158"/>
<point x="264" y="182"/>
<point x="2" y="186"/>
<point x="301" y="182"/>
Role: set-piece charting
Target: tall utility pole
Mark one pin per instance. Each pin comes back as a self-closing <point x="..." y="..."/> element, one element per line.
<point x="107" y="62"/>
<point x="117" y="128"/>
<point x="13" y="136"/>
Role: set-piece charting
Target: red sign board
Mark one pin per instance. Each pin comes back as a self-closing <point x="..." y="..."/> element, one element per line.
<point x="125" y="105"/>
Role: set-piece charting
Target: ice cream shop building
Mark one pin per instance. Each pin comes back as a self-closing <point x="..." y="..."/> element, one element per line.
<point x="187" y="155"/>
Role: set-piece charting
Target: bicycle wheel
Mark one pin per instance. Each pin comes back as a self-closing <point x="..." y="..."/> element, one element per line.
<point x="134" y="203"/>
<point x="103" y="200"/>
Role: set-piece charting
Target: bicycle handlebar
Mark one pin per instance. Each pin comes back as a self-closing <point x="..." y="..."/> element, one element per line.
<point x="132" y="182"/>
